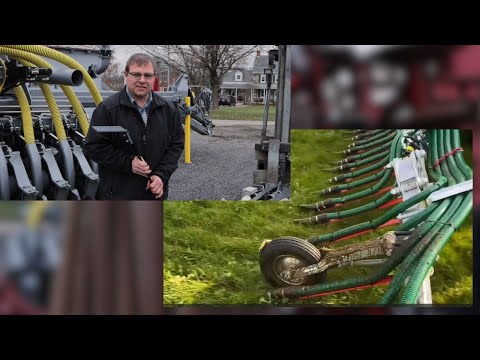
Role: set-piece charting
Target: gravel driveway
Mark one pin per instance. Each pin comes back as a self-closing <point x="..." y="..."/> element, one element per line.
<point x="221" y="164"/>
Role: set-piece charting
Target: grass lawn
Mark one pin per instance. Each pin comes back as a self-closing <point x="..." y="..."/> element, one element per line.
<point x="10" y="210"/>
<point x="242" y="112"/>
<point x="211" y="247"/>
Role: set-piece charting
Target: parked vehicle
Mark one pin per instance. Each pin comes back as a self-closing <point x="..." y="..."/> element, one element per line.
<point x="226" y="100"/>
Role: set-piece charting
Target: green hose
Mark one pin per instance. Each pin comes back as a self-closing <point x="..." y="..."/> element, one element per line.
<point x="410" y="267"/>
<point x="361" y="172"/>
<point x="369" y="145"/>
<point x="365" y="161"/>
<point x="394" y="152"/>
<point x="382" y="219"/>
<point x="352" y="185"/>
<point x="366" y="141"/>
<point x="366" y="154"/>
<point x="447" y="227"/>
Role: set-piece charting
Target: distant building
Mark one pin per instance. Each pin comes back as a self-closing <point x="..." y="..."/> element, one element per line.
<point x="250" y="85"/>
<point x="166" y="76"/>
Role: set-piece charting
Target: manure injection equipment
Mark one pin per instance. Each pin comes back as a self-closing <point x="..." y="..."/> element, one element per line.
<point x="419" y="178"/>
<point x="43" y="129"/>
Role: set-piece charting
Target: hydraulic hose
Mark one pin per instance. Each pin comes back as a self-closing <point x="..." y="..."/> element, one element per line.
<point x="366" y="141"/>
<point x="72" y="97"/>
<point x="27" y="121"/>
<point x="405" y="268"/>
<point x="47" y="93"/>
<point x="352" y="185"/>
<point x="361" y="172"/>
<point x="410" y="294"/>
<point x="66" y="60"/>
<point x="28" y="134"/>
<point x="412" y="268"/>
<point x="394" y="152"/>
<point x="359" y="163"/>
<point x="325" y="218"/>
<point x="448" y="225"/>
<point x="370" y="144"/>
<point x="382" y="219"/>
<point x="68" y="161"/>
<point x="36" y="212"/>
<point x="366" y="154"/>
<point x="366" y="134"/>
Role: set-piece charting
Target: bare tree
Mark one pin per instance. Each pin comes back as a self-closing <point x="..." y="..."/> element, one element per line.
<point x="113" y="76"/>
<point x="204" y="64"/>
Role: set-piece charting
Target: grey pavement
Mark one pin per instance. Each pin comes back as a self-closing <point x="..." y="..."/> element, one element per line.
<point x="221" y="164"/>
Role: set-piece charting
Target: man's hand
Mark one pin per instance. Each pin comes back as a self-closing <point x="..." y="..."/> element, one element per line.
<point x="155" y="184"/>
<point x="140" y="166"/>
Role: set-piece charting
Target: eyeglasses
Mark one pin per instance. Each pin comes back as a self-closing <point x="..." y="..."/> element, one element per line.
<point x="138" y="76"/>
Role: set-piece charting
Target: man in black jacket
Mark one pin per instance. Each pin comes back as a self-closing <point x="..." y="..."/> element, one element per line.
<point x="155" y="126"/>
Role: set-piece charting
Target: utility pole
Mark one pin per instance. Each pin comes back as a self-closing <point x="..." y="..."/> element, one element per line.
<point x="168" y="66"/>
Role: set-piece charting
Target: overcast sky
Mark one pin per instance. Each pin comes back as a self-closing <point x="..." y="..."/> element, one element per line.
<point x="123" y="52"/>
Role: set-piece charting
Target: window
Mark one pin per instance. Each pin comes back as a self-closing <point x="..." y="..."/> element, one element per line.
<point x="275" y="79"/>
<point x="163" y="76"/>
<point x="263" y="78"/>
<point x="238" y="76"/>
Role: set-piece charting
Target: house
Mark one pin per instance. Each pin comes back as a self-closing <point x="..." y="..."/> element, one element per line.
<point x="250" y="85"/>
<point x="166" y="76"/>
<point x="238" y="82"/>
<point x="259" y="79"/>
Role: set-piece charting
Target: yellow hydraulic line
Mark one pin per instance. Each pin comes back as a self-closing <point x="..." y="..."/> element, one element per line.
<point x="52" y="105"/>
<point x="72" y="97"/>
<point x="26" y="115"/>
<point x="66" y="60"/>
<point x="36" y="212"/>
<point x="187" y="132"/>
<point x="77" y="108"/>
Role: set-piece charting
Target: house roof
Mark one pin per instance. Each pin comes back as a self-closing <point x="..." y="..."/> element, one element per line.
<point x="230" y="76"/>
<point x="261" y="63"/>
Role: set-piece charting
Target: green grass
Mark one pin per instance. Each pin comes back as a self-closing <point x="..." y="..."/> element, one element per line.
<point x="10" y="210"/>
<point x="242" y="112"/>
<point x="211" y="248"/>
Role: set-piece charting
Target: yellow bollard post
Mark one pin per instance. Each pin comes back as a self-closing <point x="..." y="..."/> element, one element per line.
<point x="187" y="133"/>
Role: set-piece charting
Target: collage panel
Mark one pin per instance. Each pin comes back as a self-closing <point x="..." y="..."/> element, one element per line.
<point x="81" y="258"/>
<point x="391" y="219"/>
<point x="144" y="122"/>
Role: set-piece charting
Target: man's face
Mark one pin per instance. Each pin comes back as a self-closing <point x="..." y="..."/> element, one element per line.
<point x="140" y="79"/>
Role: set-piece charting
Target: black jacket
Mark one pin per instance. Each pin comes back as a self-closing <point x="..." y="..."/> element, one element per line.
<point x="160" y="143"/>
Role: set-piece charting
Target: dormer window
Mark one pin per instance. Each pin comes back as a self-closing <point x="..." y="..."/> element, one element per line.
<point x="238" y="76"/>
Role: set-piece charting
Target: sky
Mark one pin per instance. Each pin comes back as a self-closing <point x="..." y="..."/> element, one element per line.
<point x="123" y="52"/>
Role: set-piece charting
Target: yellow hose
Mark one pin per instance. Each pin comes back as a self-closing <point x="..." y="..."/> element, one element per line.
<point x="66" y="60"/>
<point x="72" y="97"/>
<point x="77" y="108"/>
<point x="26" y="115"/>
<point x="35" y="213"/>
<point x="52" y="104"/>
